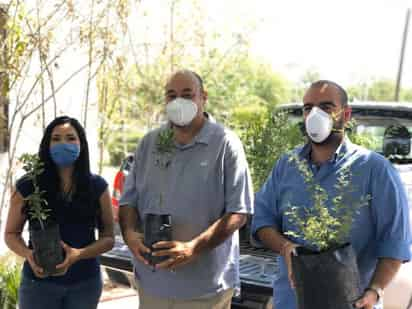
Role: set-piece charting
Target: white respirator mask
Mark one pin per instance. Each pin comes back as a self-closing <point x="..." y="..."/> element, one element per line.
<point x="181" y="111"/>
<point x="319" y="125"/>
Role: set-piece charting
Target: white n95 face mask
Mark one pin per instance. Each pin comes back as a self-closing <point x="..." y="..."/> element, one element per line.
<point x="318" y="125"/>
<point x="181" y="111"/>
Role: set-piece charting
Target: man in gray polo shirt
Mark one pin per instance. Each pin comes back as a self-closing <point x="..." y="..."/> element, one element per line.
<point x="205" y="185"/>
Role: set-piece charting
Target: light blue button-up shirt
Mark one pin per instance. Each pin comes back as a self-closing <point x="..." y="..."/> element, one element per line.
<point x="381" y="229"/>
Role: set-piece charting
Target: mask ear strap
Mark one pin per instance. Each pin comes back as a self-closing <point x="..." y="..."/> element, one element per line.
<point x="336" y="115"/>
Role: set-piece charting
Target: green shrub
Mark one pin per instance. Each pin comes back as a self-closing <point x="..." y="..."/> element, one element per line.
<point x="322" y="227"/>
<point x="119" y="147"/>
<point x="265" y="136"/>
<point x="364" y="139"/>
<point x="10" y="275"/>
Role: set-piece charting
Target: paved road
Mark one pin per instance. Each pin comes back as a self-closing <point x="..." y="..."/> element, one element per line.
<point x="127" y="302"/>
<point x="115" y="296"/>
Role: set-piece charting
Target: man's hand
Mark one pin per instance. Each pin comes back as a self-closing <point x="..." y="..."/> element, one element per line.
<point x="367" y="301"/>
<point x="128" y="218"/>
<point x="134" y="241"/>
<point x="37" y="270"/>
<point x="72" y="256"/>
<point x="287" y="251"/>
<point x="179" y="253"/>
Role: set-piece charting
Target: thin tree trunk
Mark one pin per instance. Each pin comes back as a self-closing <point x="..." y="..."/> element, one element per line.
<point x="40" y="51"/>
<point x="103" y="123"/>
<point x="89" y="78"/>
<point x="172" y="12"/>
<point x="52" y="87"/>
<point x="10" y="167"/>
<point x="4" y="100"/>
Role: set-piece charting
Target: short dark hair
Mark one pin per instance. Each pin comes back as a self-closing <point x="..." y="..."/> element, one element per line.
<point x="342" y="92"/>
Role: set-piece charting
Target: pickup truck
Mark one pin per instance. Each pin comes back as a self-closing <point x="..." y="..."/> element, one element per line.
<point x="258" y="266"/>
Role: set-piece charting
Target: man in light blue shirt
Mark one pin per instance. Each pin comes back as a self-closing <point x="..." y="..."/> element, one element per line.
<point x="204" y="184"/>
<point x="380" y="233"/>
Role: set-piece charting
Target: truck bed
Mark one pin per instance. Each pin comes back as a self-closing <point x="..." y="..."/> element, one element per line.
<point x="258" y="267"/>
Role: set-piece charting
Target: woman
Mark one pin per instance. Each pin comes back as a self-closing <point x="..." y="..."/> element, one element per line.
<point x="79" y="201"/>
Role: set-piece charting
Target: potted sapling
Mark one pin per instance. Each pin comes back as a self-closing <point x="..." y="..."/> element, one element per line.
<point x="325" y="269"/>
<point x="158" y="226"/>
<point x="44" y="231"/>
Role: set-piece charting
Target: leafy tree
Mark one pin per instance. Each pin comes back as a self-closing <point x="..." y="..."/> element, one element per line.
<point x="381" y="90"/>
<point x="378" y="90"/>
<point x="131" y="93"/>
<point x="242" y="81"/>
<point x="266" y="135"/>
<point x="37" y="39"/>
<point x="406" y="95"/>
<point x="309" y="76"/>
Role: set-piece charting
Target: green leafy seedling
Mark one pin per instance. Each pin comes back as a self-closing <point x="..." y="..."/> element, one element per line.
<point x="35" y="201"/>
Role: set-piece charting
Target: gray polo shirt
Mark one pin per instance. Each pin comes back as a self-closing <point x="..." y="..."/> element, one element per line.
<point x="204" y="180"/>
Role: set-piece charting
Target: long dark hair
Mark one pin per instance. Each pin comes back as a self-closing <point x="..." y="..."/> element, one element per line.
<point x="50" y="179"/>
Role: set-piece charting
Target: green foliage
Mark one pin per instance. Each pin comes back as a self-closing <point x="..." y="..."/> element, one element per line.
<point x="165" y="146"/>
<point x="242" y="82"/>
<point x="165" y="141"/>
<point x="306" y="78"/>
<point x="406" y="95"/>
<point x="381" y="90"/>
<point x="378" y="90"/>
<point x="119" y="145"/>
<point x="19" y="44"/>
<point x="323" y="227"/>
<point x="10" y="276"/>
<point x="266" y="136"/>
<point x="165" y="149"/>
<point x="136" y="99"/>
<point x="132" y="92"/>
<point x="34" y="167"/>
<point x="366" y="140"/>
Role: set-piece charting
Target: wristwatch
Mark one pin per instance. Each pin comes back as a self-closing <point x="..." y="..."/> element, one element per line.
<point x="379" y="291"/>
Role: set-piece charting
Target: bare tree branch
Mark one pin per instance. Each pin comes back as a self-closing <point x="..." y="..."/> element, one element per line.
<point x="90" y="41"/>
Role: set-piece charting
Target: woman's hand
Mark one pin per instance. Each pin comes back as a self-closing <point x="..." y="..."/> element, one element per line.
<point x="72" y="256"/>
<point x="367" y="301"/>
<point x="37" y="270"/>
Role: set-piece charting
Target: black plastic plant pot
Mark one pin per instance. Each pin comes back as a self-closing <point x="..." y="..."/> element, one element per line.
<point x="329" y="279"/>
<point x="156" y="228"/>
<point x="47" y="249"/>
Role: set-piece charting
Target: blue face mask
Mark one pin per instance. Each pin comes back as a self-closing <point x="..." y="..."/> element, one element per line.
<point x="64" y="155"/>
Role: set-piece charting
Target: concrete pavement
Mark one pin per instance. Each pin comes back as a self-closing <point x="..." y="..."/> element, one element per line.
<point x="115" y="296"/>
<point x="123" y="302"/>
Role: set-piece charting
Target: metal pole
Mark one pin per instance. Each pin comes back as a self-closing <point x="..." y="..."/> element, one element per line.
<point x="405" y="36"/>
